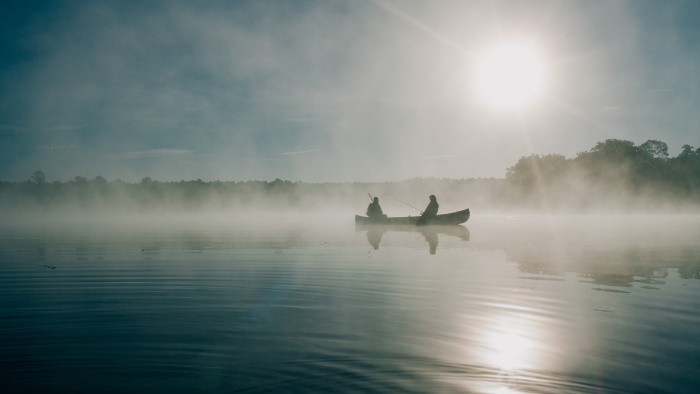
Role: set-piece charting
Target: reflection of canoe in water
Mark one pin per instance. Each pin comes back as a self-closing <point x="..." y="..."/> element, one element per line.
<point x="453" y="230"/>
<point x="444" y="219"/>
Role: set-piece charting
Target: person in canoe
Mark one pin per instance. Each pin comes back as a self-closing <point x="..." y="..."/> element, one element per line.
<point x="374" y="211"/>
<point x="430" y="211"/>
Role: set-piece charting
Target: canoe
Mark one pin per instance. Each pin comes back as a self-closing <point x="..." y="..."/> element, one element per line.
<point x="453" y="218"/>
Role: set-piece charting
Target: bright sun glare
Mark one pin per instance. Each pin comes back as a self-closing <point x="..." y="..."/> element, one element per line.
<point x="509" y="75"/>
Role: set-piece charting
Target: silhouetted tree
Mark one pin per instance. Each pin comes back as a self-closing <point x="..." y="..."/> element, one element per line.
<point x="99" y="181"/>
<point x="80" y="180"/>
<point x="613" y="150"/>
<point x="656" y="149"/>
<point x="38" y="177"/>
<point x="534" y="169"/>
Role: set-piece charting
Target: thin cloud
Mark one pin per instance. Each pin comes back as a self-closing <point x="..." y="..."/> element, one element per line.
<point x="299" y="120"/>
<point x="64" y="127"/>
<point x="55" y="147"/>
<point x="301" y="152"/>
<point x="152" y="153"/>
<point x="439" y="157"/>
<point x="11" y="127"/>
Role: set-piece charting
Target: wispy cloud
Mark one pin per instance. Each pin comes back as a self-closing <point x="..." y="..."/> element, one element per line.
<point x="301" y="152"/>
<point x="64" y="127"/>
<point x="55" y="147"/>
<point x="10" y="127"/>
<point x="300" y="120"/>
<point x="152" y="153"/>
<point x="439" y="157"/>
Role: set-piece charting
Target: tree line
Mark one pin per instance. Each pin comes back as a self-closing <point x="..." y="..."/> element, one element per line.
<point x="614" y="174"/>
<point x="150" y="195"/>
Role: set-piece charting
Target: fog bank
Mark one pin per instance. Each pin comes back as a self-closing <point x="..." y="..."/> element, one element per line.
<point x="614" y="176"/>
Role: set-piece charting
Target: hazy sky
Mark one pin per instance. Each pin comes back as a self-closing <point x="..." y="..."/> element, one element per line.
<point x="331" y="90"/>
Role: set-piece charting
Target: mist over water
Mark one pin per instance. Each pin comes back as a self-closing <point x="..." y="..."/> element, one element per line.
<point x="207" y="303"/>
<point x="178" y="183"/>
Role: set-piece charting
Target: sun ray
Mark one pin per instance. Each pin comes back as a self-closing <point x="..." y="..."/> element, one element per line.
<point x="418" y="24"/>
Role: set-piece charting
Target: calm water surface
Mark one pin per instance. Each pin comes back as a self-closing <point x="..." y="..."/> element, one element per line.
<point x="503" y="304"/>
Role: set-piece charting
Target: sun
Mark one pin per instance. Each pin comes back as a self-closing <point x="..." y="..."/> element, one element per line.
<point x="509" y="75"/>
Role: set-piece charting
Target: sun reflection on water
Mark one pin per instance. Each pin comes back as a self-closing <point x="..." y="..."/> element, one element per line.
<point x="516" y="346"/>
<point x="513" y="342"/>
<point x="509" y="350"/>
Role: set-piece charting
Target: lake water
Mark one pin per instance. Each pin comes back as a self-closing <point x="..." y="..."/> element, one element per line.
<point x="204" y="304"/>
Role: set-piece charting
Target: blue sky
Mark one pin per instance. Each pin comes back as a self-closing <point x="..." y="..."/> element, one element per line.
<point x="330" y="90"/>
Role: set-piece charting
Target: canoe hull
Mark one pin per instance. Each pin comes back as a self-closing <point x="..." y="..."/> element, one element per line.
<point x="453" y="218"/>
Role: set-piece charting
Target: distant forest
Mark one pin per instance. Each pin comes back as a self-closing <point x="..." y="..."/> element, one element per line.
<point x="613" y="175"/>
